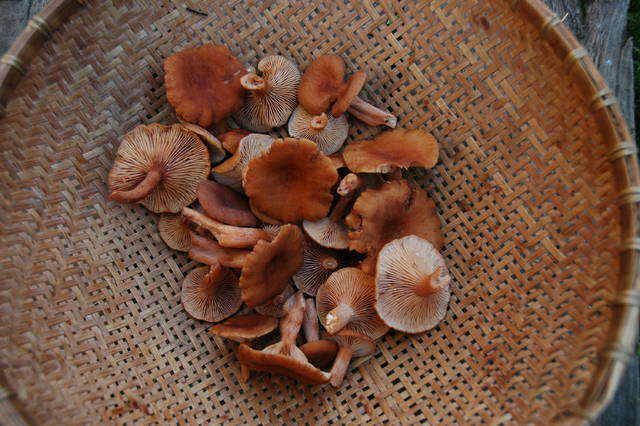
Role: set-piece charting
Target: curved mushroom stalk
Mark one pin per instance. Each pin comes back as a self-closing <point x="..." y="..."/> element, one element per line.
<point x="340" y="365"/>
<point x="338" y="318"/>
<point x="310" y="326"/>
<point x="209" y="252"/>
<point x="227" y="235"/>
<point x="141" y="190"/>
<point x="291" y="323"/>
<point x="373" y="116"/>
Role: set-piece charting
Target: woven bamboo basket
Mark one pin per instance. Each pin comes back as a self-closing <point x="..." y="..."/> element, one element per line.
<point x="537" y="187"/>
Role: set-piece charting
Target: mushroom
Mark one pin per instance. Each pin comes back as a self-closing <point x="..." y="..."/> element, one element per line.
<point x="352" y="344"/>
<point x="216" y="151"/>
<point x="320" y="353"/>
<point x="231" y="139"/>
<point x="231" y="171"/>
<point x="322" y="84"/>
<point x="358" y="182"/>
<point x="329" y="133"/>
<point x="174" y="231"/>
<point x="275" y="306"/>
<point x="270" y="265"/>
<point x="269" y="99"/>
<point x="398" y="148"/>
<point x="203" y="84"/>
<point x="329" y="231"/>
<point x="158" y="166"/>
<point x="284" y="357"/>
<point x="310" y="323"/>
<point x="227" y="235"/>
<point x="318" y="264"/>
<point x="243" y="328"/>
<point x="412" y="285"/>
<point x="225" y="205"/>
<point x="337" y="160"/>
<point x="211" y="293"/>
<point x="346" y="301"/>
<point x="210" y="252"/>
<point x="292" y="181"/>
<point x="263" y="217"/>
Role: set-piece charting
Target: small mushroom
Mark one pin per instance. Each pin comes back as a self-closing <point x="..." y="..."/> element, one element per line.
<point x="352" y="344"/>
<point x="275" y="307"/>
<point x="216" y="151"/>
<point x="243" y="328"/>
<point x="346" y="301"/>
<point x="211" y="293"/>
<point x="174" y="231"/>
<point x="398" y="148"/>
<point x="210" y="252"/>
<point x="328" y="132"/>
<point x="292" y="181"/>
<point x="330" y="232"/>
<point x="203" y="84"/>
<point x="225" y="205"/>
<point x="231" y="139"/>
<point x="231" y="171"/>
<point x="310" y="323"/>
<point x="322" y="85"/>
<point x="160" y="167"/>
<point x="320" y="353"/>
<point x="412" y="285"/>
<point x="318" y="264"/>
<point x="269" y="98"/>
<point x="227" y="235"/>
<point x="270" y="265"/>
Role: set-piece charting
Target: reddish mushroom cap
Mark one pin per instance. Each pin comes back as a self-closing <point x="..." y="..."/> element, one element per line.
<point x="243" y="328"/>
<point x="348" y="93"/>
<point x="321" y="83"/>
<point x="231" y="139"/>
<point x="225" y="205"/>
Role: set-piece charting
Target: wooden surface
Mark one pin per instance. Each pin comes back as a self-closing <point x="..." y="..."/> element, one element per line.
<point x="600" y="25"/>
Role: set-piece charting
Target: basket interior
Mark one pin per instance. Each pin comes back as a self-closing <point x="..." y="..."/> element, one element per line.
<point x="90" y="296"/>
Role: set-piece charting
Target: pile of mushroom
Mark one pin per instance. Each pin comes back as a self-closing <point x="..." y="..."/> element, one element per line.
<point x="266" y="216"/>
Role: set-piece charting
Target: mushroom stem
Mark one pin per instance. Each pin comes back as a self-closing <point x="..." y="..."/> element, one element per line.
<point x="319" y="122"/>
<point x="340" y="365"/>
<point x="253" y="82"/>
<point x="373" y="116"/>
<point x="210" y="253"/>
<point x="291" y="323"/>
<point x="310" y="325"/>
<point x="349" y="183"/>
<point x="141" y="190"/>
<point x="329" y="263"/>
<point x="227" y="235"/>
<point x="338" y="318"/>
<point x="428" y="285"/>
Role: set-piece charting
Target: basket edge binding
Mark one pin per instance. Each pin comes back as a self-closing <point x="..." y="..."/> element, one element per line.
<point x="622" y="154"/>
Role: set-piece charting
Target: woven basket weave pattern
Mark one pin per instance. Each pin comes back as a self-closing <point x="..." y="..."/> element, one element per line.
<point x="90" y="295"/>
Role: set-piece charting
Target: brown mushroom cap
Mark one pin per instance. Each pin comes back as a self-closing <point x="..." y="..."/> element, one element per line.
<point x="321" y="83"/>
<point x="216" y="151"/>
<point x="231" y="171"/>
<point x="160" y="167"/>
<point x="328" y="132"/>
<point x="269" y="99"/>
<point x="348" y="93"/>
<point x="203" y="84"/>
<point x="318" y="264"/>
<point x="270" y="265"/>
<point x="231" y="139"/>
<point x="225" y="205"/>
<point x="263" y="217"/>
<point x="352" y="344"/>
<point x="320" y="353"/>
<point x="346" y="301"/>
<point x="292" y="181"/>
<point x="337" y="160"/>
<point x="243" y="328"/>
<point x="412" y="285"/>
<point x="275" y="306"/>
<point x="211" y="293"/>
<point x="174" y="231"/>
<point x="391" y="149"/>
<point x="210" y="252"/>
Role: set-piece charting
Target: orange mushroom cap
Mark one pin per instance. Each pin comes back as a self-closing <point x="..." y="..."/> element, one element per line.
<point x="203" y="84"/>
<point x="174" y="231"/>
<point x="321" y="83"/>
<point x="243" y="328"/>
<point x="349" y="92"/>
<point x="225" y="205"/>
<point x="231" y="139"/>
<point x="211" y="293"/>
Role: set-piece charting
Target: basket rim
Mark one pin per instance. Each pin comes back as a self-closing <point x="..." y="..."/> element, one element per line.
<point x="613" y="356"/>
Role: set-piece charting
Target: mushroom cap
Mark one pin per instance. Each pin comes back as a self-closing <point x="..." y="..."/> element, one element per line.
<point x="393" y="148"/>
<point x="180" y="156"/>
<point x="321" y="83"/>
<point x="327" y="233"/>
<point x="404" y="264"/>
<point x="211" y="293"/>
<point x="319" y="263"/>
<point x="329" y="138"/>
<point x="392" y="211"/>
<point x="275" y="306"/>
<point x="174" y="231"/>
<point x="231" y="171"/>
<point x="263" y="217"/>
<point x="271" y="107"/>
<point x="225" y="205"/>
<point x="354" y="288"/>
<point x="231" y="139"/>
<point x="270" y="265"/>
<point x="281" y="364"/>
<point x="292" y="181"/>
<point x="360" y="344"/>
<point x="349" y="92"/>
<point x="320" y="353"/>
<point x="216" y="151"/>
<point x="203" y="84"/>
<point x="337" y="160"/>
<point x="243" y="328"/>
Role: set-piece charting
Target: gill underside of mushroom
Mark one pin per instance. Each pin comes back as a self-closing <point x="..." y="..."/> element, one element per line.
<point x="371" y="115"/>
<point x="141" y="190"/>
<point x="209" y="252"/>
<point x="338" y="318"/>
<point x="340" y="365"/>
<point x="227" y="235"/>
<point x="310" y="326"/>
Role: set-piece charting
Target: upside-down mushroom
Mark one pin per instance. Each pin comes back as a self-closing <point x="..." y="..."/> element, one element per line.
<point x="346" y="301"/>
<point x="225" y="205"/>
<point x="231" y="139"/>
<point x="320" y="353"/>
<point x="174" y="231"/>
<point x="269" y="98"/>
<point x="318" y="264"/>
<point x="210" y="252"/>
<point x="328" y="132"/>
<point x="227" y="235"/>
<point x="275" y="307"/>
<point x="352" y="344"/>
<point x="243" y="328"/>
<point x="216" y="151"/>
<point x="211" y="293"/>
<point x="158" y="166"/>
<point x="231" y="171"/>
<point x="412" y="285"/>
